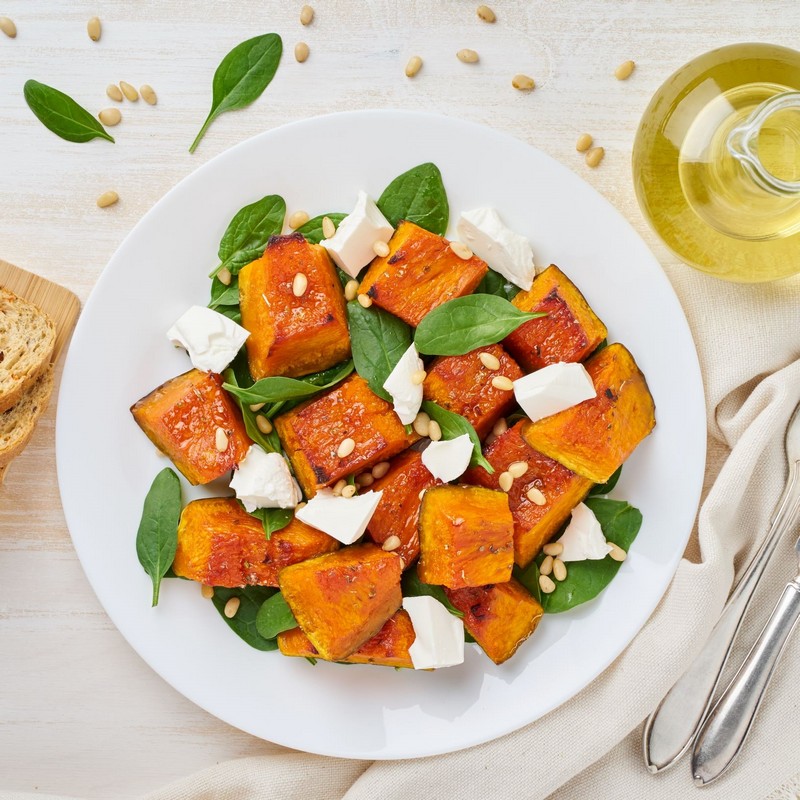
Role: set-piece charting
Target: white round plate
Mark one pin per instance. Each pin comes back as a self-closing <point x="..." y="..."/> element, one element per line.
<point x="120" y="352"/>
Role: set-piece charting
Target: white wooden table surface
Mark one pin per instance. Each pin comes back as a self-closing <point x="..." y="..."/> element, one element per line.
<point x="80" y="713"/>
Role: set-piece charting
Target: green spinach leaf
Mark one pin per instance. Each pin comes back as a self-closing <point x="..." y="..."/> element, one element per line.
<point x="464" y="323"/>
<point x="157" y="537"/>
<point x="605" y="488"/>
<point x="273" y="519"/>
<point x="378" y="340"/>
<point x="242" y="76"/>
<point x="494" y="283"/>
<point x="271" y="390"/>
<point x="222" y="295"/>
<point x="231" y="312"/>
<point x="529" y="578"/>
<point x="251" y="598"/>
<point x="413" y="586"/>
<point x="269" y="441"/>
<point x="454" y="425"/>
<point x="274" y="617"/>
<point x="312" y="229"/>
<point x="60" y="114"/>
<point x="418" y="196"/>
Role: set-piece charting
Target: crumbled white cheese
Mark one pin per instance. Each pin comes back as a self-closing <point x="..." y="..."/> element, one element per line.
<point x="344" y="518"/>
<point x="263" y="480"/>
<point x="583" y="538"/>
<point x="351" y="246"/>
<point x="439" y="635"/>
<point x="504" y="251"/>
<point x="211" y="339"/>
<point x="447" y="460"/>
<point x="552" y="389"/>
<point x="407" y="395"/>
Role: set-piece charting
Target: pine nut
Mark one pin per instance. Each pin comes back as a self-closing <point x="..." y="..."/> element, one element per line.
<point x="224" y="276"/>
<point x="93" y="29"/>
<point x="364" y="480"/>
<point x="8" y="27"/>
<point x="350" y="290"/>
<point x="349" y="490"/>
<point x="467" y="56"/>
<point x="380" y="469"/>
<point x="380" y="249"/>
<point x="207" y="591"/>
<point x="546" y="567"/>
<point x="503" y="383"/>
<point x="257" y="407"/>
<point x="418" y="377"/>
<point x="221" y="440"/>
<point x="434" y="431"/>
<point x="148" y="94"/>
<point x="364" y="300"/>
<point x="301" y="52"/>
<point x="518" y="468"/>
<point x="506" y="481"/>
<point x="490" y="438"/>
<point x="584" y="142"/>
<point x="110" y="117"/>
<point x="339" y="487"/>
<point x="421" y="424"/>
<point x="413" y="66"/>
<point x="617" y="553"/>
<point x="624" y="70"/>
<point x="231" y="607"/>
<point x="500" y="427"/>
<point x="486" y="14"/>
<point x="129" y="91"/>
<point x="559" y="569"/>
<point x="553" y="549"/>
<point x="461" y="250"/>
<point x="107" y="199"/>
<point x="263" y="424"/>
<point x="490" y="361"/>
<point x="536" y="497"/>
<point x="392" y="543"/>
<point x="346" y="447"/>
<point x="523" y="82"/>
<point x="306" y="15"/>
<point x="546" y="585"/>
<point x="299" y="285"/>
<point x="594" y="156"/>
<point x="300" y="505"/>
<point x="298" y="219"/>
<point x="328" y="228"/>
<point x="421" y="494"/>
<point x="113" y="92"/>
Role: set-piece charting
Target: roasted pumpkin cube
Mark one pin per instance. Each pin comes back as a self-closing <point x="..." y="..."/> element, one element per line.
<point x="387" y="648"/>
<point x="557" y="488"/>
<point x="181" y="418"/>
<point x="420" y="272"/>
<point x="571" y="331"/>
<point x="342" y="599"/>
<point x="595" y="437"/>
<point x="463" y="384"/>
<point x="500" y="616"/>
<point x="292" y="335"/>
<point x="220" y="544"/>
<point x="466" y="537"/>
<point x="397" y="513"/>
<point x="312" y="432"/>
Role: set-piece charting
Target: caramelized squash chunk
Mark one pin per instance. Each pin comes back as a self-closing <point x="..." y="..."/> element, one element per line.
<point x="571" y="331"/>
<point x="500" y="616"/>
<point x="595" y="437"/>
<point x="387" y="648"/>
<point x="419" y="273"/>
<point x="561" y="489"/>
<point x="220" y="544"/>
<point x="397" y="513"/>
<point x="312" y="432"/>
<point x="466" y="537"/>
<point x="342" y="599"/>
<point x="463" y="384"/>
<point x="292" y="335"/>
<point x="181" y="418"/>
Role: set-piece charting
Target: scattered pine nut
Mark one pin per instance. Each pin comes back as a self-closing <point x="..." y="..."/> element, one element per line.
<point x="461" y="250"/>
<point x="518" y="468"/>
<point x="546" y="567"/>
<point x="490" y="438"/>
<point x="221" y="440"/>
<point x="624" y="70"/>
<point x="421" y="494"/>
<point x="380" y="469"/>
<point x="114" y="93"/>
<point x="500" y="427"/>
<point x="434" y="431"/>
<point x="306" y="15"/>
<point x="364" y="480"/>
<point x="467" y="56"/>
<point x="299" y="284"/>
<point x="421" y="423"/>
<point x="257" y="407"/>
<point x="594" y="156"/>
<point x="301" y="52"/>
<point x="413" y="66"/>
<point x="503" y="383"/>
<point x="523" y="82"/>
<point x="349" y="490"/>
<point x="8" y="27"/>
<point x="328" y="228"/>
<point x="486" y="14"/>
<point x="110" y="117"/>
<point x="489" y="361"/>
<point x="263" y="424"/>
<point x="93" y="29"/>
<point x="617" y="553"/>
<point x="392" y="543"/>
<point x="129" y="91"/>
<point x="107" y="199"/>
<point x="546" y="585"/>
<point x="298" y="219"/>
<point x="559" y="569"/>
<point x="537" y="498"/>
<point x="506" y="481"/>
<point x="380" y="249"/>
<point x="224" y="276"/>
<point x="231" y="607"/>
<point x="584" y="142"/>
<point x="364" y="300"/>
<point x="148" y="94"/>
<point x="207" y="591"/>
<point x="553" y="549"/>
<point x="418" y="377"/>
<point x="346" y="446"/>
<point x="339" y="487"/>
<point x="300" y="505"/>
<point x="350" y="290"/>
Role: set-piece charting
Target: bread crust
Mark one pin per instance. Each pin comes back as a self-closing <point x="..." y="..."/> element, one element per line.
<point x="17" y="424"/>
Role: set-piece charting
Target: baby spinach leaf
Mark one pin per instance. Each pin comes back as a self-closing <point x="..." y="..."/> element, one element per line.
<point x="157" y="537"/>
<point x="242" y="76"/>
<point x="269" y="441"/>
<point x="413" y="586"/>
<point x="494" y="283"/>
<point x="232" y="312"/>
<point x="60" y="114"/>
<point x="312" y="229"/>
<point x="605" y="488"/>
<point x="529" y="578"/>
<point x="270" y="390"/>
<point x="251" y="598"/>
<point x="274" y="617"/>
<point x="248" y="233"/>
<point x="464" y="323"/>
<point x="273" y="519"/>
<point x="418" y="196"/>
<point x="586" y="579"/>
<point x="222" y="295"/>
<point x="378" y="340"/>
<point x="454" y="425"/>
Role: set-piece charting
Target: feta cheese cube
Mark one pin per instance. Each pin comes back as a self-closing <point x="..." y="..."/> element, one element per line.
<point x="344" y="518"/>
<point x="263" y="480"/>
<point x="583" y="538"/>
<point x="210" y="338"/>
<point x="448" y="460"/>
<point x="552" y="389"/>
<point x="406" y="395"/>
<point x="439" y="634"/>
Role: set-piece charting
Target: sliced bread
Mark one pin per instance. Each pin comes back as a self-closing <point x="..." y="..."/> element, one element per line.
<point x="27" y="338"/>
<point x="17" y="423"/>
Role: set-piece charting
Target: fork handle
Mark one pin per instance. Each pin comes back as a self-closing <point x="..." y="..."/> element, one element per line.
<point x="723" y="733"/>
